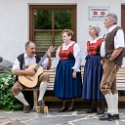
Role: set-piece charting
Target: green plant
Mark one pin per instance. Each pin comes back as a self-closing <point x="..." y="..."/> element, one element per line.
<point x="7" y="100"/>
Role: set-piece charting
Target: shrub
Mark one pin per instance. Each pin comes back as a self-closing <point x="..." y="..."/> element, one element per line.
<point x="7" y="100"/>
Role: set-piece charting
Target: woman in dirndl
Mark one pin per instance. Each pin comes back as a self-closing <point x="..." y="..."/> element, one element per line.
<point x="68" y="82"/>
<point x="93" y="73"/>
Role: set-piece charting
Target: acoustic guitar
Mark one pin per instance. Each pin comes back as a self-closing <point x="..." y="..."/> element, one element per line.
<point x="31" y="81"/>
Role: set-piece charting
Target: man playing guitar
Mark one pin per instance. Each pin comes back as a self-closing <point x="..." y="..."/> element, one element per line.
<point x="20" y="68"/>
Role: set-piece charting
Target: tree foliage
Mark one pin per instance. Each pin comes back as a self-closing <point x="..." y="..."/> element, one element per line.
<point x="43" y="19"/>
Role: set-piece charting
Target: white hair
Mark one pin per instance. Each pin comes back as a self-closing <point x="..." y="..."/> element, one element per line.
<point x="96" y="28"/>
<point x="113" y="17"/>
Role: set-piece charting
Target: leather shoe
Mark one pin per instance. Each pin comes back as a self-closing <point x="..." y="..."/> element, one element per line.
<point x="107" y="116"/>
<point x="91" y="111"/>
<point x="41" y="103"/>
<point x="26" y="109"/>
<point x="101" y="111"/>
<point x="116" y="116"/>
<point x="71" y="109"/>
<point x="63" y="109"/>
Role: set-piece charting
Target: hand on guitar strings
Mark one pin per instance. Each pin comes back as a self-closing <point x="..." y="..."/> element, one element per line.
<point x="49" y="55"/>
<point x="30" y="72"/>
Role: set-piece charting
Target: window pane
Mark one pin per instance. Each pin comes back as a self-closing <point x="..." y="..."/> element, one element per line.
<point x="62" y="19"/>
<point x="43" y="41"/>
<point x="42" y="19"/>
<point x="58" y="39"/>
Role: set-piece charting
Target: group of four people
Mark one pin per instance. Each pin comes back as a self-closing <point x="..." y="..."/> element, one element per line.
<point x="99" y="81"/>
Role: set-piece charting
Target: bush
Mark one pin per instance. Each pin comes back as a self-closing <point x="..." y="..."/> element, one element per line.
<point x="7" y="100"/>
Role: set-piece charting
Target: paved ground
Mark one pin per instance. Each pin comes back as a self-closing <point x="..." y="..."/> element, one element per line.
<point x="77" y="117"/>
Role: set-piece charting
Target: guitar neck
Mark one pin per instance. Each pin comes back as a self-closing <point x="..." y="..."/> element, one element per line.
<point x="40" y="62"/>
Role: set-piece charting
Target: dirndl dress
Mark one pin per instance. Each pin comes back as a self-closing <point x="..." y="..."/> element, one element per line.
<point x="92" y="76"/>
<point x="67" y="87"/>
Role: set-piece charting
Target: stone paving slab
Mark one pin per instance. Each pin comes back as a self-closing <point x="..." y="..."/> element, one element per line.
<point x="12" y="118"/>
<point x="77" y="117"/>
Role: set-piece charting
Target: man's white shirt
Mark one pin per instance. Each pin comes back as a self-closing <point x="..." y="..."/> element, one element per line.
<point x="118" y="40"/>
<point x="28" y="61"/>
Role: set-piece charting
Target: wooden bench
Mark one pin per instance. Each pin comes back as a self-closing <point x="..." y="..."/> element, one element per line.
<point x="120" y="82"/>
<point x="35" y="90"/>
<point x="120" y="85"/>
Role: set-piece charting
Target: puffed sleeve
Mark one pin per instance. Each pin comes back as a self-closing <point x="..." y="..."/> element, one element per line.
<point x="78" y="58"/>
<point x="57" y="57"/>
<point x="86" y="53"/>
<point x="44" y="64"/>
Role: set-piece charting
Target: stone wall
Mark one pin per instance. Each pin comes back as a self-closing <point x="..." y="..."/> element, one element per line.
<point x="5" y="65"/>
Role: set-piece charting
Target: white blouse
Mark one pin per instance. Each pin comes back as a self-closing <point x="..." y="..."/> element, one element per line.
<point x="76" y="52"/>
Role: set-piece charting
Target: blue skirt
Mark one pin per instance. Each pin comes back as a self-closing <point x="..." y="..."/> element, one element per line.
<point x="92" y="79"/>
<point x="65" y="86"/>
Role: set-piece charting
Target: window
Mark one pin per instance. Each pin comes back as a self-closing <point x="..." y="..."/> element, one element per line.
<point x="47" y="23"/>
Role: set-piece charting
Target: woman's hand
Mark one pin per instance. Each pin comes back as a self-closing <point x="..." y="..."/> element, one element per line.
<point x="74" y="74"/>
